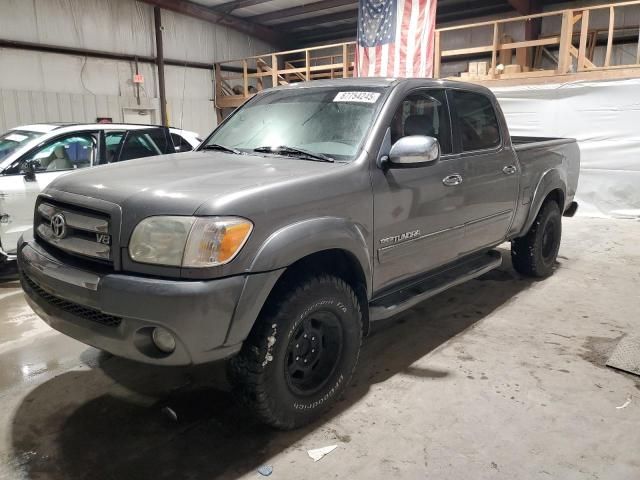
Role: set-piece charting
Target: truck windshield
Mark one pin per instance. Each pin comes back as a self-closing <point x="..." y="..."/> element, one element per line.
<point x="14" y="139"/>
<point x="329" y="122"/>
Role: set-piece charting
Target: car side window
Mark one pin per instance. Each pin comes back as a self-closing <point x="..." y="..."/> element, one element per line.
<point x="113" y="140"/>
<point x="67" y="153"/>
<point x="477" y="121"/>
<point x="145" y="143"/>
<point x="424" y="113"/>
<point x="180" y="143"/>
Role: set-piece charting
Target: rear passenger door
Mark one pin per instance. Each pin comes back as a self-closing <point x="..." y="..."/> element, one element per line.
<point x="145" y="143"/>
<point x="490" y="171"/>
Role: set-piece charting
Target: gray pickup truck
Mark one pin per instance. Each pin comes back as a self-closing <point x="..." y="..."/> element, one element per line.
<point x="310" y="213"/>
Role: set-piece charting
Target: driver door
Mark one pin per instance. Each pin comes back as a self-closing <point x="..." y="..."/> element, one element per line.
<point x="418" y="226"/>
<point x="49" y="160"/>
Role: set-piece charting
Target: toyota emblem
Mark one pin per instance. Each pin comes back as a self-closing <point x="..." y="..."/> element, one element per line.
<point x="59" y="225"/>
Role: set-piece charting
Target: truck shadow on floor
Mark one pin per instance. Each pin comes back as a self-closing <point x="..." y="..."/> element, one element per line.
<point x="108" y="420"/>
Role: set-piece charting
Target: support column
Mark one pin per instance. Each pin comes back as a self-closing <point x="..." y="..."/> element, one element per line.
<point x="160" y="63"/>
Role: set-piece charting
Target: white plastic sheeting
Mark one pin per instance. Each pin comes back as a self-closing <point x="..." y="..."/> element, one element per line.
<point x="604" y="117"/>
<point x="44" y="87"/>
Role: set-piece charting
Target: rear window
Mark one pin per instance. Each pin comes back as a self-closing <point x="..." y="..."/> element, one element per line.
<point x="14" y="139"/>
<point x="477" y="121"/>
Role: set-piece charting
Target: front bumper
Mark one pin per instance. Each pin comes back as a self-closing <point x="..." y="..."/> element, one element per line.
<point x="117" y="312"/>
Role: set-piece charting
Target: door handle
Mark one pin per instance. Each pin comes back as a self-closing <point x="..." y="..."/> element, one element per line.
<point x="452" y="180"/>
<point x="509" y="169"/>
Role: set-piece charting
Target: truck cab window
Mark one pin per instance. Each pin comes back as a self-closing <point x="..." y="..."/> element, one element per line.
<point x="423" y="113"/>
<point x="477" y="121"/>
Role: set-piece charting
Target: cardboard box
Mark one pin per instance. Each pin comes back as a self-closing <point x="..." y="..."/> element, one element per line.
<point x="483" y="68"/>
<point x="473" y="68"/>
<point x="509" y="69"/>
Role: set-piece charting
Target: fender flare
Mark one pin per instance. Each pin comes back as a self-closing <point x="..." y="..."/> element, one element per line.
<point x="551" y="180"/>
<point x="285" y="247"/>
<point x="296" y="241"/>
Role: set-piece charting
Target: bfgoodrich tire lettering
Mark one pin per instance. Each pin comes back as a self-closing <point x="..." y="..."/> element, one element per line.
<point x="315" y="323"/>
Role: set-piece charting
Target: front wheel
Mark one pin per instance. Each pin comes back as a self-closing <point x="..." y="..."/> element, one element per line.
<point x="301" y="354"/>
<point x="535" y="254"/>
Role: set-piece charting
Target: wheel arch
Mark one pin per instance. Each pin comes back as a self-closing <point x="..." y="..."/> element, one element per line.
<point x="325" y="245"/>
<point x="550" y="187"/>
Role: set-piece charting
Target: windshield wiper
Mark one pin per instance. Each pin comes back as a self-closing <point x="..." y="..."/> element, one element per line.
<point x="217" y="146"/>
<point x="298" y="152"/>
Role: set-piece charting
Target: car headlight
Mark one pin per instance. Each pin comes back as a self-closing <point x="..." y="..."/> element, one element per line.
<point x="188" y="241"/>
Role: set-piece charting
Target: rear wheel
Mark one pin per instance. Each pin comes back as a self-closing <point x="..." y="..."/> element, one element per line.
<point x="301" y="354"/>
<point x="535" y="254"/>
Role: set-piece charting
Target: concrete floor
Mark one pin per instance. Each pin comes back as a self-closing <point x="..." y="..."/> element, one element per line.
<point x="500" y="378"/>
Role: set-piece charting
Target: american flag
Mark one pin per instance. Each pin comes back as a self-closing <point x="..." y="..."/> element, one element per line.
<point x="395" y="38"/>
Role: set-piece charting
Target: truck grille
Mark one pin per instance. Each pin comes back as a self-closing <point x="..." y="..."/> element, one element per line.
<point x="73" y="308"/>
<point x="74" y="230"/>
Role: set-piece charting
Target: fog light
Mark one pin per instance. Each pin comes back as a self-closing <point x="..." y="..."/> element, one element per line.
<point x="163" y="340"/>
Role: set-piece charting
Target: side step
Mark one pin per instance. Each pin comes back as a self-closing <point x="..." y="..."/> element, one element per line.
<point x="411" y="294"/>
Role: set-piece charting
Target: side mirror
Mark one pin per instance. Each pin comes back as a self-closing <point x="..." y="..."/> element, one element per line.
<point x="30" y="168"/>
<point x="414" y="151"/>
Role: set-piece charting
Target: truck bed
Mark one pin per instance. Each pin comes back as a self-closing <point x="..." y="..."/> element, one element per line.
<point x="526" y="143"/>
<point x="539" y="156"/>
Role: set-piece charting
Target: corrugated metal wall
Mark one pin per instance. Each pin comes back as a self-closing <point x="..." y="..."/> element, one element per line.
<point x="41" y="87"/>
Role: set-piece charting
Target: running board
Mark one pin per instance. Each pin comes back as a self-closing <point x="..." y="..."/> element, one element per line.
<point x="413" y="293"/>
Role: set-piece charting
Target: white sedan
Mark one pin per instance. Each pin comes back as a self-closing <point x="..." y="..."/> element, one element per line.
<point x="33" y="155"/>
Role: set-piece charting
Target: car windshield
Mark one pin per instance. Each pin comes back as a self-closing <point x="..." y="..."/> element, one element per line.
<point x="14" y="139"/>
<point x="329" y="122"/>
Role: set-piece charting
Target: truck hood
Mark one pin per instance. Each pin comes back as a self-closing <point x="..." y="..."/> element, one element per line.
<point x="178" y="184"/>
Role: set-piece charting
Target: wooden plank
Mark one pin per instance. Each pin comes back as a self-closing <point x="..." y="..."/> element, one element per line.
<point x="437" y="53"/>
<point x="494" y="48"/>
<point x="615" y="67"/>
<point x="547" y="77"/>
<point x="566" y="34"/>
<point x="612" y="19"/>
<point x="307" y="64"/>
<point x="245" y="80"/>
<point x="274" y="70"/>
<point x="345" y="61"/>
<point x="584" y="33"/>
<point x="576" y="53"/>
<point x="298" y="50"/>
<point x="530" y="43"/>
<point x="466" y="51"/>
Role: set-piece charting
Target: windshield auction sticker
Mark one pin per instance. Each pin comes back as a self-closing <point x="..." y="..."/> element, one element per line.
<point x="361" y="97"/>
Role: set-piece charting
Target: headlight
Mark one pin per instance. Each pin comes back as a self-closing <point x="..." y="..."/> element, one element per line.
<point x="188" y="241"/>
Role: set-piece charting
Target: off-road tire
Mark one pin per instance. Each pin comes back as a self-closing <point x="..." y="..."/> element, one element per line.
<point x="261" y="373"/>
<point x="535" y="254"/>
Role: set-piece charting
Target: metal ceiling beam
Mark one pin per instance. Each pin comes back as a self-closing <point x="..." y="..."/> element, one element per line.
<point x="320" y="20"/>
<point x="229" y="7"/>
<point x="301" y="10"/>
<point x="453" y="13"/>
<point x="329" y="33"/>
<point x="525" y="7"/>
<point x="198" y="11"/>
